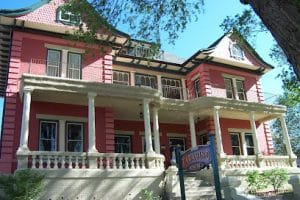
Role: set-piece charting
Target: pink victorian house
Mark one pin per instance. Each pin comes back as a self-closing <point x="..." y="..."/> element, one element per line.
<point x="108" y="122"/>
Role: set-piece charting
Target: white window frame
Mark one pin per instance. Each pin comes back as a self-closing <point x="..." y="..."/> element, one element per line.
<point x="239" y="143"/>
<point x="68" y="21"/>
<point x="67" y="132"/>
<point x="72" y="69"/>
<point x="197" y="88"/>
<point x="152" y="80"/>
<point x="124" y="136"/>
<point x="243" y="145"/>
<point x="233" y="80"/>
<point x="120" y="75"/>
<point x="40" y="132"/>
<point x="234" y="48"/>
<point x="51" y="67"/>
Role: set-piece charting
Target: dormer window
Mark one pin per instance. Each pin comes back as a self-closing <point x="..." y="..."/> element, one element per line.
<point x="236" y="51"/>
<point x="67" y="17"/>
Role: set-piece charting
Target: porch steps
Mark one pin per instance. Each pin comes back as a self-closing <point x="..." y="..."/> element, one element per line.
<point x="196" y="189"/>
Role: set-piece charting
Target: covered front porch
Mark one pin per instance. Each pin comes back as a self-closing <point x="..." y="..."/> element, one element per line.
<point x="153" y="124"/>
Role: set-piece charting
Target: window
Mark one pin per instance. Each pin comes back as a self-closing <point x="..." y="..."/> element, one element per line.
<point x="120" y="78"/>
<point x="203" y="139"/>
<point x="74" y="65"/>
<point x="67" y="17"/>
<point x="145" y="80"/>
<point x="236" y="51"/>
<point x="123" y="144"/>
<point x="234" y="89"/>
<point x="196" y="84"/>
<point x="53" y="62"/>
<point x="171" y="88"/>
<point x="236" y="144"/>
<point x="249" y="144"/>
<point x="176" y="142"/>
<point x="74" y="137"/>
<point x="48" y="136"/>
<point x="242" y="143"/>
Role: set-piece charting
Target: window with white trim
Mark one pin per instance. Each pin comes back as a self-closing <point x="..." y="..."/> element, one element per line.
<point x="74" y="137"/>
<point x="242" y="143"/>
<point x="235" y="88"/>
<point x="121" y="78"/>
<point x="236" y="51"/>
<point x="53" y="63"/>
<point x="196" y="84"/>
<point x="145" y="80"/>
<point x="68" y="18"/>
<point x="122" y="143"/>
<point x="48" y="135"/>
<point x="74" y="65"/>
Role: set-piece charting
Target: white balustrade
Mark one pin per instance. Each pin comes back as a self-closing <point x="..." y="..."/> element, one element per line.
<point x="237" y="162"/>
<point x="276" y="161"/>
<point x="103" y="161"/>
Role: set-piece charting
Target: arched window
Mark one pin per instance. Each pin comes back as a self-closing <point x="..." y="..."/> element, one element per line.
<point x="236" y="51"/>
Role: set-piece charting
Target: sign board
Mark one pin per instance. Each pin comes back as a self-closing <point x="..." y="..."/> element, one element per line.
<point x="196" y="158"/>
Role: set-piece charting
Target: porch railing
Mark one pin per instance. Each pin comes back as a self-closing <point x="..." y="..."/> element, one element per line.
<point x="172" y="92"/>
<point x="239" y="162"/>
<point x="101" y="161"/>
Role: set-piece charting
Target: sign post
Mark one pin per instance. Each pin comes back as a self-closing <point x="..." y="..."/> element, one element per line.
<point x="180" y="172"/>
<point x="214" y="164"/>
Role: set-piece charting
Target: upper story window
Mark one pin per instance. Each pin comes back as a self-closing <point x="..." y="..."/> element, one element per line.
<point x="236" y="51"/>
<point x="171" y="88"/>
<point x="234" y="88"/>
<point x="145" y="80"/>
<point x="121" y="78"/>
<point x="196" y="84"/>
<point x="66" y="17"/>
<point x="71" y="68"/>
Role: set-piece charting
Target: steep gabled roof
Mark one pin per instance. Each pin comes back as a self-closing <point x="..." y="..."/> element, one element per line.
<point x="209" y="55"/>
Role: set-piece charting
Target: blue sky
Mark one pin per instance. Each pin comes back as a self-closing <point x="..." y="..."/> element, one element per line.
<point x="201" y="34"/>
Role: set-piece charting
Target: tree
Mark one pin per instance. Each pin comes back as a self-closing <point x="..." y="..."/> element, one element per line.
<point x="148" y="18"/>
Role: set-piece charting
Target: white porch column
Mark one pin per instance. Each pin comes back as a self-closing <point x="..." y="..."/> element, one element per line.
<point x="156" y="130"/>
<point x="132" y="78"/>
<point x="62" y="136"/>
<point x="192" y="129"/>
<point x="184" y="90"/>
<point x="254" y="133"/>
<point x="91" y="119"/>
<point x="159" y="85"/>
<point x="147" y="125"/>
<point x="25" y="120"/>
<point x="220" y="149"/>
<point x="286" y="137"/>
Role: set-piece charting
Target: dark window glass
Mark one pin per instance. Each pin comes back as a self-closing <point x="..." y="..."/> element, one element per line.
<point x="74" y="137"/>
<point x="122" y="144"/>
<point x="48" y="136"/>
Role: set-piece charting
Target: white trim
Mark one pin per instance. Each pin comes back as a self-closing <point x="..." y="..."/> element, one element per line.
<point x="195" y="77"/>
<point x="176" y="135"/>
<point x="120" y="132"/>
<point x="239" y="130"/>
<point x="59" y="47"/>
<point x="233" y="76"/>
<point x="142" y="133"/>
<point x="61" y="117"/>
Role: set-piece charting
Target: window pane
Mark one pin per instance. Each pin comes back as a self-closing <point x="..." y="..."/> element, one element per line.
<point x="74" y="66"/>
<point x="250" y="151"/>
<point x="48" y="132"/>
<point x="240" y="89"/>
<point x="236" y="151"/>
<point x="235" y="140"/>
<point x="53" y="62"/>
<point x="75" y="137"/>
<point x="229" y="88"/>
<point x="236" y="51"/>
<point x="197" y="88"/>
<point x="249" y="140"/>
<point x="122" y="144"/>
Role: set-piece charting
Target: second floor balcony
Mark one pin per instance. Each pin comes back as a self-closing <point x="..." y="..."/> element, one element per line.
<point x="173" y="88"/>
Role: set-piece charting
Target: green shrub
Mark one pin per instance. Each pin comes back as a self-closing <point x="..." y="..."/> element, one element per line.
<point x="22" y="185"/>
<point x="276" y="177"/>
<point x="255" y="181"/>
<point x="149" y="195"/>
